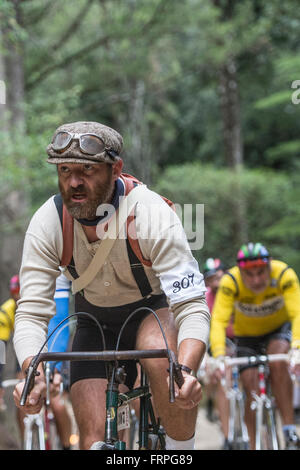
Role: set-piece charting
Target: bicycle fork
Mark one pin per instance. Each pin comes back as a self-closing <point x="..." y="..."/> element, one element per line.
<point x="29" y="422"/>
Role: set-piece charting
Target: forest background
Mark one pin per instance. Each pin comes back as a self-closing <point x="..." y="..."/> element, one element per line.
<point x="205" y="93"/>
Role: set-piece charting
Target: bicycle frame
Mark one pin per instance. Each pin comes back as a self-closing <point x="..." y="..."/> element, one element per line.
<point x="263" y="403"/>
<point x="115" y="399"/>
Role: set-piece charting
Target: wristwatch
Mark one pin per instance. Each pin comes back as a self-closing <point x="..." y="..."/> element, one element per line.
<point x="187" y="369"/>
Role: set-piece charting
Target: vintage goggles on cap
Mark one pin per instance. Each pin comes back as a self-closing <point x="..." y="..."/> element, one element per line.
<point x="90" y="144"/>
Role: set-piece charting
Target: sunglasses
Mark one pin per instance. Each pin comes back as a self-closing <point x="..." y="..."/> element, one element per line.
<point x="90" y="144"/>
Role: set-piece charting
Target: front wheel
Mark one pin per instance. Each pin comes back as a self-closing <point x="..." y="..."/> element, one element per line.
<point x="266" y="433"/>
<point x="157" y="441"/>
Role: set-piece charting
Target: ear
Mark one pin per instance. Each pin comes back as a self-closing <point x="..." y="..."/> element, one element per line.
<point x="117" y="169"/>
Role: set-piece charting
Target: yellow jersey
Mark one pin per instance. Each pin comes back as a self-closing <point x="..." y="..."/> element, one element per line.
<point x="7" y="319"/>
<point x="256" y="314"/>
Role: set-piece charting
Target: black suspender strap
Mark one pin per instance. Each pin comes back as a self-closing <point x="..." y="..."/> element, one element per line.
<point x="138" y="272"/>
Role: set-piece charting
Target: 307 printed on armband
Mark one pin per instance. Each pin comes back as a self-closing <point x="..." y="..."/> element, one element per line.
<point x="183" y="282"/>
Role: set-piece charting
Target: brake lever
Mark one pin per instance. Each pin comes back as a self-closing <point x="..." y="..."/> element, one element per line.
<point x="48" y="380"/>
<point x="175" y="374"/>
<point x="178" y="375"/>
<point x="31" y="373"/>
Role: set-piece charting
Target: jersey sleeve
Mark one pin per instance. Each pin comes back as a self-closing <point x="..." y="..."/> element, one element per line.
<point x="289" y="286"/>
<point x="39" y="269"/>
<point x="221" y="315"/>
<point x="163" y="241"/>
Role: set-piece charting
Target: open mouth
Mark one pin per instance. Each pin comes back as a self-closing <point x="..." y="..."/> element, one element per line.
<point x="78" y="197"/>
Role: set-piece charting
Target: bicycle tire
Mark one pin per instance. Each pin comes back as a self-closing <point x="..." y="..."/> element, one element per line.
<point x="237" y="436"/>
<point x="266" y="432"/>
<point x="157" y="441"/>
<point x="271" y="436"/>
<point x="55" y="443"/>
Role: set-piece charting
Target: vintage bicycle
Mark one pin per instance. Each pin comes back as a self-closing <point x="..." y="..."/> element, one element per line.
<point x="263" y="404"/>
<point x="151" y="434"/>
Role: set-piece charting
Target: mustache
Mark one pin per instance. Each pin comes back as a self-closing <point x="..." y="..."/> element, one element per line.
<point x="81" y="189"/>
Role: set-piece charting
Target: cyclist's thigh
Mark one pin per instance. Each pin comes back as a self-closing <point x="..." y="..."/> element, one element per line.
<point x="149" y="335"/>
<point x="278" y="346"/>
<point x="279" y="340"/>
<point x="279" y="369"/>
<point x="249" y="379"/>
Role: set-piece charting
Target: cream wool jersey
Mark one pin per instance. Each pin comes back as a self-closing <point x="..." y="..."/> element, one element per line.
<point x="162" y="240"/>
<point x="256" y="314"/>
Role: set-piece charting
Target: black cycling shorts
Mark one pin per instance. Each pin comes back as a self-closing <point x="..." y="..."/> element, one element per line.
<point x="88" y="338"/>
<point x="247" y="345"/>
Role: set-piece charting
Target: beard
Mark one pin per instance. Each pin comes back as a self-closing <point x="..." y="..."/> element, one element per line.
<point x="102" y="194"/>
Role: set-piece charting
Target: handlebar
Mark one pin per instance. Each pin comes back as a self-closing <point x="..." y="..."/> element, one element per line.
<point x="250" y="360"/>
<point x="174" y="370"/>
<point x="256" y="360"/>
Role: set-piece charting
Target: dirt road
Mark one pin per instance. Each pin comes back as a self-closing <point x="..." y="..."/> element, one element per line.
<point x="208" y="435"/>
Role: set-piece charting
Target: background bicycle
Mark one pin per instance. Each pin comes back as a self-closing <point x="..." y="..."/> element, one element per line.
<point x="9" y="433"/>
<point x="263" y="404"/>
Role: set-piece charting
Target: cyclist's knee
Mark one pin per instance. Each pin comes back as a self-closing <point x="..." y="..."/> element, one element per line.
<point x="249" y="381"/>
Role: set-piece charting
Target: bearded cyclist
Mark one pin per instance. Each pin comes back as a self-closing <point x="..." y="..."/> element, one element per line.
<point x="154" y="269"/>
<point x="264" y="295"/>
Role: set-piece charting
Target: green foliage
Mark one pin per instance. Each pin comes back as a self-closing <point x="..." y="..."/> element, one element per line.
<point x="150" y="68"/>
<point x="272" y="209"/>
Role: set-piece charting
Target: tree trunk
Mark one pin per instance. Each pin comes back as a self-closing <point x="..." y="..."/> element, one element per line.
<point x="230" y="108"/>
<point x="233" y="146"/>
<point x="14" y="205"/>
<point x="139" y="155"/>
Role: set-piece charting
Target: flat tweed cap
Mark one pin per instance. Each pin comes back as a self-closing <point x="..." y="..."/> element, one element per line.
<point x="111" y="138"/>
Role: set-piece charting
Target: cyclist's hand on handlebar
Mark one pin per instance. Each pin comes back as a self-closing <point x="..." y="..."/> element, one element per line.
<point x="35" y="398"/>
<point x="218" y="371"/>
<point x="190" y="394"/>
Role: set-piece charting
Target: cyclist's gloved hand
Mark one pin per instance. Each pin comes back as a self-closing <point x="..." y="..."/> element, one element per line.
<point x="218" y="371"/>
